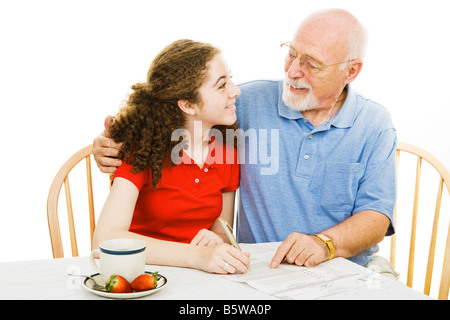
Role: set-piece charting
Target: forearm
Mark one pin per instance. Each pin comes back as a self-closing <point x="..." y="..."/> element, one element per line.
<point x="206" y="258"/>
<point x="158" y="252"/>
<point x="115" y="220"/>
<point x="359" y="232"/>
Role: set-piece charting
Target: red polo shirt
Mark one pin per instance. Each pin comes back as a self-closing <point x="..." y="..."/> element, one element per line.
<point x="186" y="199"/>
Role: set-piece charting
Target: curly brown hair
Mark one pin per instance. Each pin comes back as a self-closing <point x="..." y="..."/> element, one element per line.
<point x="146" y="122"/>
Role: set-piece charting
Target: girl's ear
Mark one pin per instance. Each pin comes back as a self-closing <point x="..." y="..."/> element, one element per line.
<point x="186" y="107"/>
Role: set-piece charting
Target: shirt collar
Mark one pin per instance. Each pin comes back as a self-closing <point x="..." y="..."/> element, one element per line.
<point x="210" y="159"/>
<point x="343" y="118"/>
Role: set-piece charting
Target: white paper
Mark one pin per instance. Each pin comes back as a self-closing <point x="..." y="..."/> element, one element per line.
<point x="295" y="282"/>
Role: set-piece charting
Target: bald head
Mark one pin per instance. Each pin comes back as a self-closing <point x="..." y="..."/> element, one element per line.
<point x="335" y="28"/>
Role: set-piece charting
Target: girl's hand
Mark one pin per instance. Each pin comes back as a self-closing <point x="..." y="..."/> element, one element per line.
<point x="206" y="238"/>
<point x="223" y="259"/>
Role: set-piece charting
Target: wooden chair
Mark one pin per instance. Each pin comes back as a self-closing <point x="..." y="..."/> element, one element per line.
<point x="62" y="177"/>
<point x="444" y="179"/>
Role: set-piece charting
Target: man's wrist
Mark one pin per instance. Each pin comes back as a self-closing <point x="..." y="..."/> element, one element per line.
<point x="328" y="242"/>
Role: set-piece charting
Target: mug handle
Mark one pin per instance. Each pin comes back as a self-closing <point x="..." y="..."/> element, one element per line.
<point x="92" y="260"/>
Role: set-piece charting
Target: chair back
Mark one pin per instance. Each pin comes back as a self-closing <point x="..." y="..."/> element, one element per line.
<point x="62" y="177"/>
<point x="433" y="220"/>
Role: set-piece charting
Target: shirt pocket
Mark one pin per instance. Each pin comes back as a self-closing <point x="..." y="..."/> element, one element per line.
<point x="340" y="185"/>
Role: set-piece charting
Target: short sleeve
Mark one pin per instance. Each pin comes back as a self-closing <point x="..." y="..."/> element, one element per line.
<point x="138" y="179"/>
<point x="377" y="188"/>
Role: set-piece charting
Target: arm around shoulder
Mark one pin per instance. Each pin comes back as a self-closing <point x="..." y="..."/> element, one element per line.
<point x="105" y="150"/>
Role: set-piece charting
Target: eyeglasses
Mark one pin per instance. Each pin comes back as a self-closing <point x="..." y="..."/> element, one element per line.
<point x="309" y="64"/>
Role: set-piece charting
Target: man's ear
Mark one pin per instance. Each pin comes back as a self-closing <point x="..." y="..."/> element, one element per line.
<point x="354" y="68"/>
<point x="186" y="107"/>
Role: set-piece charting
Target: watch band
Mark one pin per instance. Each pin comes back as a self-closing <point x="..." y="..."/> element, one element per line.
<point x="328" y="242"/>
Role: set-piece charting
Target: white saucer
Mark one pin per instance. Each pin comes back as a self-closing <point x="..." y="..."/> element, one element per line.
<point x="88" y="285"/>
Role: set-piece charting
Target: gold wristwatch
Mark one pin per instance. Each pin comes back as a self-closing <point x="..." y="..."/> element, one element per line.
<point x="328" y="242"/>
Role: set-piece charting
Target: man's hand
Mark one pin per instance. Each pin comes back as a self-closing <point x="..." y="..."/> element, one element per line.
<point x="301" y="249"/>
<point x="105" y="150"/>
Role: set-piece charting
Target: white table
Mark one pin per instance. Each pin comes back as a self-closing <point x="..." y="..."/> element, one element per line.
<point x="47" y="279"/>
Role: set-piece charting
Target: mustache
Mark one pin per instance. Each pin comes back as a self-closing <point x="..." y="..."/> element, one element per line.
<point x="298" y="83"/>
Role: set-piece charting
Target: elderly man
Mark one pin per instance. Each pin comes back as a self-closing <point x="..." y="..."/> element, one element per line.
<point x="334" y="191"/>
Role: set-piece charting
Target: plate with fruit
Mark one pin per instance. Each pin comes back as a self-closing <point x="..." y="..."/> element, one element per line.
<point x="119" y="288"/>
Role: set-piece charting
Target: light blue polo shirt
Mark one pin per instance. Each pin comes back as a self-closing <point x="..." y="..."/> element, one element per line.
<point x="299" y="178"/>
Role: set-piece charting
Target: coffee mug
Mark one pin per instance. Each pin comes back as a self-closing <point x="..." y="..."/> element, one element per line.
<point x="124" y="257"/>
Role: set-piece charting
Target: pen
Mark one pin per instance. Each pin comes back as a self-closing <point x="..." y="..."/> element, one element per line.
<point x="229" y="232"/>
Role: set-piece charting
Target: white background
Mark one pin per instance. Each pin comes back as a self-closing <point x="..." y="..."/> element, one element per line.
<point x="65" y="65"/>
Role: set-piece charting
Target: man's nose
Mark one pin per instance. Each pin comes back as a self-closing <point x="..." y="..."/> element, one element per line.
<point x="294" y="70"/>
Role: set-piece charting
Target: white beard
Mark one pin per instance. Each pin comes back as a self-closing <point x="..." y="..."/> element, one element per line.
<point x="293" y="101"/>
